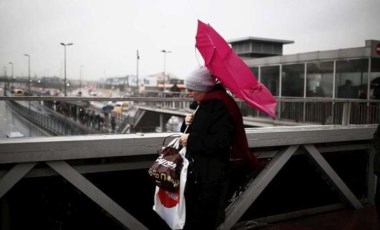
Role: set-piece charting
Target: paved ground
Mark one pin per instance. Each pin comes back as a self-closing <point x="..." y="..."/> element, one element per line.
<point x="347" y="219"/>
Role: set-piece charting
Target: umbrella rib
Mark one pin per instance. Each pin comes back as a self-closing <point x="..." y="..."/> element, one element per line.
<point x="212" y="43"/>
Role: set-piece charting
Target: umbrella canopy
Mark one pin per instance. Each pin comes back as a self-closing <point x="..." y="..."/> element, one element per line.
<point x="107" y="108"/>
<point x="231" y="71"/>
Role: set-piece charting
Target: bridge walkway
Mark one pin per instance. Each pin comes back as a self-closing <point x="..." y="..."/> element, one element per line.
<point x="347" y="219"/>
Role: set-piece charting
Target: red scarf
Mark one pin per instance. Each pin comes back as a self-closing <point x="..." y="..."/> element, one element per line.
<point x="240" y="150"/>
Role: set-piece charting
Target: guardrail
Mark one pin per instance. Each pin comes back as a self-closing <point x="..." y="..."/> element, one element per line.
<point x="53" y="123"/>
<point x="77" y="158"/>
<point x="329" y="111"/>
<point x="323" y="111"/>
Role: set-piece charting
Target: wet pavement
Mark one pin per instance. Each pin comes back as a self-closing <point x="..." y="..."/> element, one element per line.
<point x="11" y="122"/>
<point x="347" y="219"/>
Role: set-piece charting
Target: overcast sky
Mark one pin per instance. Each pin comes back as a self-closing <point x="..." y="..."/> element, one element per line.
<point x="107" y="33"/>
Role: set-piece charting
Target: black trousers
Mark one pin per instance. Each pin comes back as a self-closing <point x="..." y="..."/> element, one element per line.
<point x="205" y="204"/>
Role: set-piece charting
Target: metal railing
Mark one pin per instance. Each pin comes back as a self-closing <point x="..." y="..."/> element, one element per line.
<point x="55" y="124"/>
<point x="303" y="110"/>
<point x="329" y="111"/>
<point x="323" y="111"/>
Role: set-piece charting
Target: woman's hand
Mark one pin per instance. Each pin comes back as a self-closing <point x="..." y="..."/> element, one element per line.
<point x="189" y="119"/>
<point x="183" y="139"/>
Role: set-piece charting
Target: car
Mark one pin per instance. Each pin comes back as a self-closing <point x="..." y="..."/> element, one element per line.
<point x="120" y="106"/>
<point x="19" y="92"/>
<point x="14" y="134"/>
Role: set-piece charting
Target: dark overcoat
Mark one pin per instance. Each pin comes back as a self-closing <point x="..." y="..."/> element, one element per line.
<point x="376" y="144"/>
<point x="208" y="147"/>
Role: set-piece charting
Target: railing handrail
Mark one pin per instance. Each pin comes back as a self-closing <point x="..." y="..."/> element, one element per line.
<point x="299" y="110"/>
<point x="28" y="149"/>
<point x="166" y="99"/>
<point x="54" y="98"/>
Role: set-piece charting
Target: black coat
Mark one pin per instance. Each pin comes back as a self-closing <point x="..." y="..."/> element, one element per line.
<point x="210" y="140"/>
<point x="376" y="144"/>
<point x="208" y="145"/>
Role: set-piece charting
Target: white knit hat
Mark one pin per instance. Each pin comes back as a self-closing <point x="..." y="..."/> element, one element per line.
<point x="200" y="80"/>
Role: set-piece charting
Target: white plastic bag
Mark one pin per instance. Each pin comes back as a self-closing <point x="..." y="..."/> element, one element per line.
<point x="171" y="207"/>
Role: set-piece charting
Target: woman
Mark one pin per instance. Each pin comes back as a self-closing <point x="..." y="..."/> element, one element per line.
<point x="215" y="136"/>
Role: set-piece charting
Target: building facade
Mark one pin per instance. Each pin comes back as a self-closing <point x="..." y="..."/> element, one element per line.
<point x="344" y="73"/>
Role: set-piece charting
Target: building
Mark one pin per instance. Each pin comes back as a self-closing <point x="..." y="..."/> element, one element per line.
<point x="344" y="73"/>
<point x="253" y="47"/>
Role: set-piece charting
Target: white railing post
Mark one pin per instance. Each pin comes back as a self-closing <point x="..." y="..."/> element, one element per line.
<point x="346" y="113"/>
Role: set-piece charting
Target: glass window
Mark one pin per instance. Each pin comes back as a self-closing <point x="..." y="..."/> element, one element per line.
<point x="293" y="80"/>
<point x="375" y="78"/>
<point x="270" y="76"/>
<point x="351" y="78"/>
<point x="319" y="79"/>
<point x="255" y="71"/>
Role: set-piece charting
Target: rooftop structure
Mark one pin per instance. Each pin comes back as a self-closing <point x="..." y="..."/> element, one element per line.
<point x="254" y="47"/>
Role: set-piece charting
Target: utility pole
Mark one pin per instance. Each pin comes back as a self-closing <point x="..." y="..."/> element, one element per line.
<point x="137" y="69"/>
<point x="165" y="52"/>
<point x="65" y="81"/>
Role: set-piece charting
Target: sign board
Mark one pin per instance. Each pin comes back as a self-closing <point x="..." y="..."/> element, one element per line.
<point x="375" y="46"/>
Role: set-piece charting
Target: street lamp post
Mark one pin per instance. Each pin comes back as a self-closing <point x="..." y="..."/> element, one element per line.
<point x="5" y="73"/>
<point x="27" y="55"/>
<point x="65" y="81"/>
<point x="6" y="80"/>
<point x="165" y="52"/>
<point x="137" y="69"/>
<point x="11" y="63"/>
<point x="80" y="80"/>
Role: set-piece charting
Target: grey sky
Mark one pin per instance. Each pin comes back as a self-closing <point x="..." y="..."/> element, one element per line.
<point x="107" y="33"/>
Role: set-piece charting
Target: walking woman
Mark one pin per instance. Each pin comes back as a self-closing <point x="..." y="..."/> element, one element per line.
<point x="215" y="136"/>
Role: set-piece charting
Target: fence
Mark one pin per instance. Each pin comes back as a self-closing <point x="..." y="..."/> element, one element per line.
<point x="300" y="110"/>
<point x="54" y="123"/>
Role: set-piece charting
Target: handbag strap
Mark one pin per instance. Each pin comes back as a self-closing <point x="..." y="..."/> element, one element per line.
<point x="172" y="142"/>
<point x="175" y="141"/>
<point x="193" y="114"/>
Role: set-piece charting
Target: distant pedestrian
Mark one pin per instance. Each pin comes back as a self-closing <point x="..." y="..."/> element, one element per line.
<point x="87" y="118"/>
<point x="175" y="88"/>
<point x="101" y="120"/>
<point x="113" y="122"/>
<point x="347" y="90"/>
<point x="92" y="118"/>
<point x="97" y="120"/>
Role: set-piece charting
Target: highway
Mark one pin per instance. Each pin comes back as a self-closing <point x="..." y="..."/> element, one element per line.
<point x="12" y="122"/>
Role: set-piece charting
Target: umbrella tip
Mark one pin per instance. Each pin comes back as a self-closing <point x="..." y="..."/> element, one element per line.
<point x="200" y="22"/>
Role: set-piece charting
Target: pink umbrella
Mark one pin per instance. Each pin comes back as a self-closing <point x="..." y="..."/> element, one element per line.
<point x="231" y="71"/>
